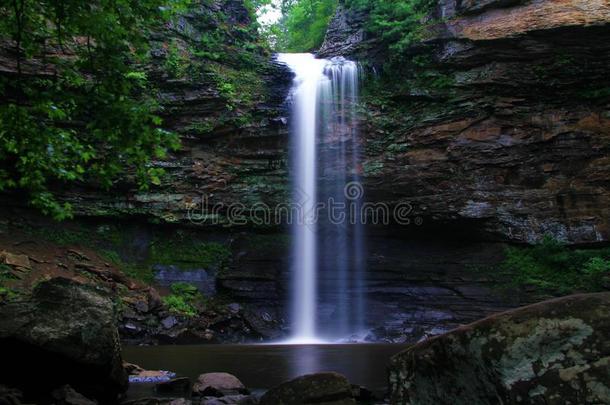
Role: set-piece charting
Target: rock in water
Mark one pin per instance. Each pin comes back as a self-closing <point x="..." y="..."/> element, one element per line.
<point x="218" y="385"/>
<point x="158" y="401"/>
<point x="554" y="352"/>
<point x="64" y="334"/>
<point x="319" y="388"/>
<point x="179" y="386"/>
<point x="230" y="400"/>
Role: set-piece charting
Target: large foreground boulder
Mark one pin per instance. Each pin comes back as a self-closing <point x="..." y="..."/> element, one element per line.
<point x="64" y="333"/>
<point x="320" y="388"/>
<point x="554" y="352"/>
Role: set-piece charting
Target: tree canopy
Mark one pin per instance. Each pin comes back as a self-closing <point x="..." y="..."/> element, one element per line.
<point x="398" y="23"/>
<point x="74" y="106"/>
<point x="303" y="24"/>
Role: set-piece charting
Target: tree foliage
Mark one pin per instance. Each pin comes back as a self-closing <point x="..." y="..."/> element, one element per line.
<point x="398" y="23"/>
<point x="303" y="25"/>
<point x="75" y="107"/>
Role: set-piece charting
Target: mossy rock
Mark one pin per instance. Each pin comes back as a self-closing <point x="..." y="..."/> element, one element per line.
<point x="64" y="334"/>
<point x="320" y="388"/>
<point x="553" y="352"/>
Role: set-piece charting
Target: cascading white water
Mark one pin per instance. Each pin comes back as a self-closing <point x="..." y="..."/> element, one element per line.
<point x="309" y="73"/>
<point x="342" y="259"/>
<point x="324" y="95"/>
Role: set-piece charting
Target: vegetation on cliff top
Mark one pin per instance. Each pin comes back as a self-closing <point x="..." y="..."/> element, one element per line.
<point x="303" y="25"/>
<point x="398" y="24"/>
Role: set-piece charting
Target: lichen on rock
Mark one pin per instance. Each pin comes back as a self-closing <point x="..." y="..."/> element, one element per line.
<point x="554" y="352"/>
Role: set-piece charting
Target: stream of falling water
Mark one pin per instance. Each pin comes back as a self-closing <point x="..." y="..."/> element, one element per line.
<point x="327" y="300"/>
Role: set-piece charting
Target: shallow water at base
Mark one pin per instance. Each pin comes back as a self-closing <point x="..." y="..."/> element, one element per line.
<point x="261" y="367"/>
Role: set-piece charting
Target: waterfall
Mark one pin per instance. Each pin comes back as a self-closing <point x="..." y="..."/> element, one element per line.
<point x="308" y="80"/>
<point x="327" y="268"/>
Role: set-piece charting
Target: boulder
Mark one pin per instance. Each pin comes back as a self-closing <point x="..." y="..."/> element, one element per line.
<point x="10" y="396"/>
<point x="362" y="394"/>
<point x="178" y="386"/>
<point x="65" y="333"/>
<point x="67" y="396"/>
<point x="230" y="400"/>
<point x="132" y="369"/>
<point x="234" y="307"/>
<point x="158" y="401"/>
<point x="17" y="261"/>
<point x="553" y="352"/>
<point x="320" y="388"/>
<point x="181" y="401"/>
<point x="263" y="324"/>
<point x="169" y="322"/>
<point x="218" y="385"/>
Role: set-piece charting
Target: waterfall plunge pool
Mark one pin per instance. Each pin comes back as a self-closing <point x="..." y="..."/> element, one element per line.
<point x="261" y="367"/>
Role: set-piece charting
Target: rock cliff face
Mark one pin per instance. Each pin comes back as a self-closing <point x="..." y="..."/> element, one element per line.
<point x="346" y="33"/>
<point x="503" y="136"/>
<point x="505" y="128"/>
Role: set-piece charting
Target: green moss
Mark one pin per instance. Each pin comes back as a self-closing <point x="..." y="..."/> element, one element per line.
<point x="241" y="87"/>
<point x="268" y="242"/>
<point x="263" y="183"/>
<point x="62" y="236"/>
<point x="177" y="60"/>
<point x="179" y="305"/>
<point x="180" y="248"/>
<point x="593" y="93"/>
<point x="373" y="168"/>
<point x="138" y="271"/>
<point x="5" y="271"/>
<point x="201" y="128"/>
<point x="183" y="299"/>
<point x="186" y="252"/>
<point x="552" y="267"/>
<point x="397" y="148"/>
<point x="8" y="294"/>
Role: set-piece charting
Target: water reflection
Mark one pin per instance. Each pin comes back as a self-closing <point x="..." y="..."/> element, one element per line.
<point x="264" y="366"/>
<point x="305" y="360"/>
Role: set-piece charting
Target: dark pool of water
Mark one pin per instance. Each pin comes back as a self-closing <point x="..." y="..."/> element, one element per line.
<point x="261" y="367"/>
